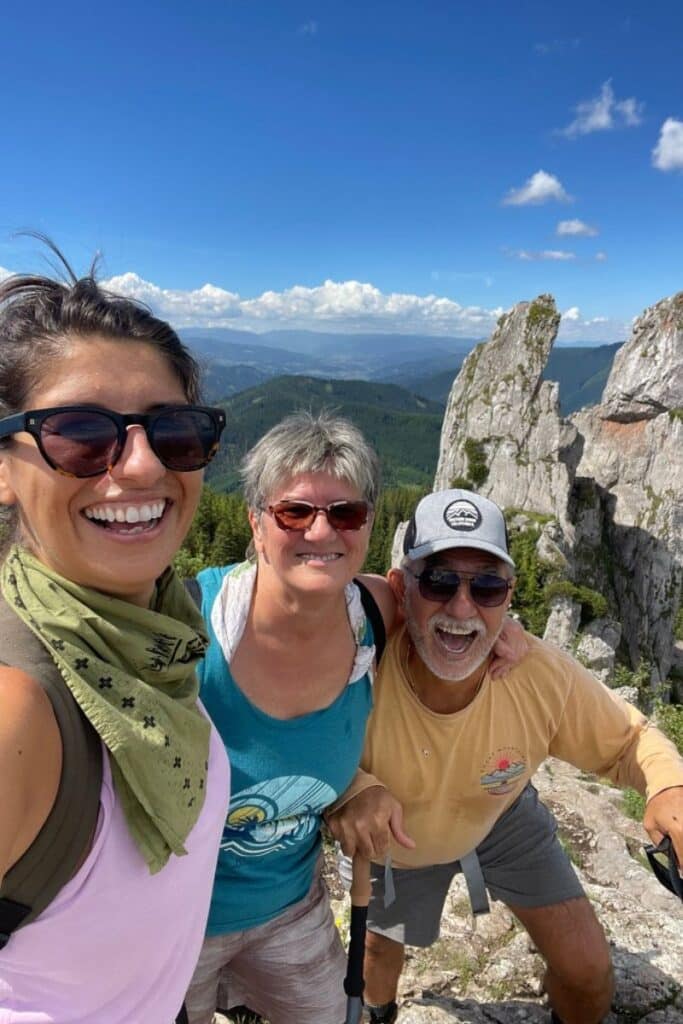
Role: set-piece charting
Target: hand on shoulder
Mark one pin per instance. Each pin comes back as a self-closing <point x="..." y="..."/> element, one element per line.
<point x="30" y="762"/>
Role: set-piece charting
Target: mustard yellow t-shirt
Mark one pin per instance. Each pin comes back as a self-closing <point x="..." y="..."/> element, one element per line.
<point x="455" y="774"/>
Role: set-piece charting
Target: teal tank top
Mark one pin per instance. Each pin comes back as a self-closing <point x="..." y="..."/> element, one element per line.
<point x="284" y="775"/>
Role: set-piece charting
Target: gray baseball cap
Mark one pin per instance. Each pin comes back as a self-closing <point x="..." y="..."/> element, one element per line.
<point x="456" y="519"/>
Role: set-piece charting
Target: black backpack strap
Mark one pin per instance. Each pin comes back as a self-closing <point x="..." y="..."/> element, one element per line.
<point x="192" y="586"/>
<point x="51" y="861"/>
<point x="373" y="613"/>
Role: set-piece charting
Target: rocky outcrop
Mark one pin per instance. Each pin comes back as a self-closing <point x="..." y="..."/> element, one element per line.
<point x="502" y="431"/>
<point x="633" y="454"/>
<point x="563" y="622"/>
<point x="610" y="478"/>
<point x="647" y="374"/>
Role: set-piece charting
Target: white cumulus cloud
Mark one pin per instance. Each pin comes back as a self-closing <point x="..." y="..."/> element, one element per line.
<point x="668" y="153"/>
<point x="333" y="305"/>
<point x="541" y="187"/>
<point x="603" y="113"/>
<point x="575" y="328"/>
<point x="546" y="254"/>
<point x="576" y="227"/>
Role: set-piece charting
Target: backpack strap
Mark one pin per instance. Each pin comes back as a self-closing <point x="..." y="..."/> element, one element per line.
<point x="374" y="615"/>
<point x="53" y="857"/>
<point x="193" y="587"/>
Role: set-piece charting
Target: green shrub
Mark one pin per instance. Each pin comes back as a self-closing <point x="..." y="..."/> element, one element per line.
<point x="670" y="720"/>
<point x="593" y="604"/>
<point x="477" y="469"/>
<point x="633" y="804"/>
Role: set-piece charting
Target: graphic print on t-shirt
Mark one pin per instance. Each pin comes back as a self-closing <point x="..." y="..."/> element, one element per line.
<point x="501" y="770"/>
<point x="275" y="814"/>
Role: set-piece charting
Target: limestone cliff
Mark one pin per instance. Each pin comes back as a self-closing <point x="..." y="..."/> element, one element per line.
<point x="502" y="432"/>
<point x="610" y="476"/>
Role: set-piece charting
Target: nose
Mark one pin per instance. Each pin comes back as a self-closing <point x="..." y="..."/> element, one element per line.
<point x="137" y="460"/>
<point x="320" y="527"/>
<point x="461" y="605"/>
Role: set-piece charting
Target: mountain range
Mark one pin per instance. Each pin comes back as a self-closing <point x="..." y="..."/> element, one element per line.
<point x="426" y="365"/>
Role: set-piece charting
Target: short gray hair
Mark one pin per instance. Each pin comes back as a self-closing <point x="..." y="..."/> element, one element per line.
<point x="307" y="443"/>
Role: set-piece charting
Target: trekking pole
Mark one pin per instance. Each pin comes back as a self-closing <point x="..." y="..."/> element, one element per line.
<point x="360" y="897"/>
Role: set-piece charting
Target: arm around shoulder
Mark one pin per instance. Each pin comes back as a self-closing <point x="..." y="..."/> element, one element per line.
<point x="384" y="597"/>
<point x="30" y="763"/>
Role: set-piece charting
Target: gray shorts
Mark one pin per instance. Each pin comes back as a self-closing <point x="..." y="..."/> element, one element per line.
<point x="522" y="862"/>
<point x="290" y="970"/>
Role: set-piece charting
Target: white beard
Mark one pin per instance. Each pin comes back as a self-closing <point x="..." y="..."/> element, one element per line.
<point x="450" y="667"/>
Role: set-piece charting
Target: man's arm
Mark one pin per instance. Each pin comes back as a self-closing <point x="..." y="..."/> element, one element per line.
<point x="602" y="733"/>
<point x="366" y="817"/>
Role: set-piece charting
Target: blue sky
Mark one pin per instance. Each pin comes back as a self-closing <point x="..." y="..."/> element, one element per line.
<point x="386" y="166"/>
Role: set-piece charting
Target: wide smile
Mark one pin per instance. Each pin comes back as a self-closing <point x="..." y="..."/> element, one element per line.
<point x="314" y="556"/>
<point x="455" y="640"/>
<point x="128" y="519"/>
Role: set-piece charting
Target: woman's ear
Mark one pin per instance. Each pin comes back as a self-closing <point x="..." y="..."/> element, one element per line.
<point x="256" y="531"/>
<point x="7" y="493"/>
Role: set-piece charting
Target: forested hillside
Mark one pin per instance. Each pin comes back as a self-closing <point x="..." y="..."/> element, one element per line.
<point x="403" y="427"/>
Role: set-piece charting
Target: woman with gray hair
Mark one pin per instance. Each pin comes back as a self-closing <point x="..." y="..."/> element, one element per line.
<point x="287" y="681"/>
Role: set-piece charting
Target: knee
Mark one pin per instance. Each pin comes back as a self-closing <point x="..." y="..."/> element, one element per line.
<point x="591" y="976"/>
<point x="380" y="949"/>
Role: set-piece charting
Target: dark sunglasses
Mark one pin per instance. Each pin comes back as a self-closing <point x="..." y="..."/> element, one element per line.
<point x="664" y="864"/>
<point x="441" y="585"/>
<point x="84" y="440"/>
<point x="300" y="515"/>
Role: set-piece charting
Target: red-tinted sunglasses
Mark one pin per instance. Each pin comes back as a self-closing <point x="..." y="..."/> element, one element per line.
<point x="300" y="515"/>
<point x="85" y="440"/>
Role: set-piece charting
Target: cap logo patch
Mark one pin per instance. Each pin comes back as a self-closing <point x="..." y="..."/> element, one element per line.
<point x="462" y="515"/>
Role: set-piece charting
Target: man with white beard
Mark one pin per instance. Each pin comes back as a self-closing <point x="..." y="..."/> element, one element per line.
<point x="456" y="750"/>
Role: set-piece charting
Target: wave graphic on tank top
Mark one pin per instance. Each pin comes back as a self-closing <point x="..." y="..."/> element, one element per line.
<point x="275" y="814"/>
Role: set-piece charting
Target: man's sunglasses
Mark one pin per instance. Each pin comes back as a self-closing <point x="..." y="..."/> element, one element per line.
<point x="300" y="515"/>
<point x="441" y="585"/>
<point x="664" y="864"/>
<point x="85" y="440"/>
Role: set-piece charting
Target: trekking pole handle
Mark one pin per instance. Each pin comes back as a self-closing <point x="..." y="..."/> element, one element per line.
<point x="360" y="881"/>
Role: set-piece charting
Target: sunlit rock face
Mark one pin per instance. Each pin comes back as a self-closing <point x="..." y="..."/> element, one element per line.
<point x="502" y="429"/>
<point x="611" y="476"/>
<point x="633" y="450"/>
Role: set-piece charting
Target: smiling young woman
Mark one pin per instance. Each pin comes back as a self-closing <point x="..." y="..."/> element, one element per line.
<point x="102" y="446"/>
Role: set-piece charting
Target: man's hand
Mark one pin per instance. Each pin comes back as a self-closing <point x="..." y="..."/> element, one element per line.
<point x="368" y="822"/>
<point x="509" y="649"/>
<point x="664" y="816"/>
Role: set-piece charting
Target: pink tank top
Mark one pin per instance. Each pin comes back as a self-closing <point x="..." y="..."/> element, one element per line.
<point x="118" y="945"/>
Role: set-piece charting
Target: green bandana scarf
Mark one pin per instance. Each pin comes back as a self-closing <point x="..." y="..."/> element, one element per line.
<point x="131" y="670"/>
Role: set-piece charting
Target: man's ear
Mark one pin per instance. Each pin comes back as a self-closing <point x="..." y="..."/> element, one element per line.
<point x="397" y="582"/>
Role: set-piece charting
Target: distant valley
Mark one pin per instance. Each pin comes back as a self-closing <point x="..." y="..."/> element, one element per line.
<point x="425" y="365"/>
<point x="394" y="387"/>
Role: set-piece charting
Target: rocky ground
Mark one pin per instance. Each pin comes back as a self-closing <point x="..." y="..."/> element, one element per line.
<point x="491" y="975"/>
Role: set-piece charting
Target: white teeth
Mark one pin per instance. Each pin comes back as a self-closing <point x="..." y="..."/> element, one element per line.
<point x="127" y="513"/>
<point x="311" y="557"/>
